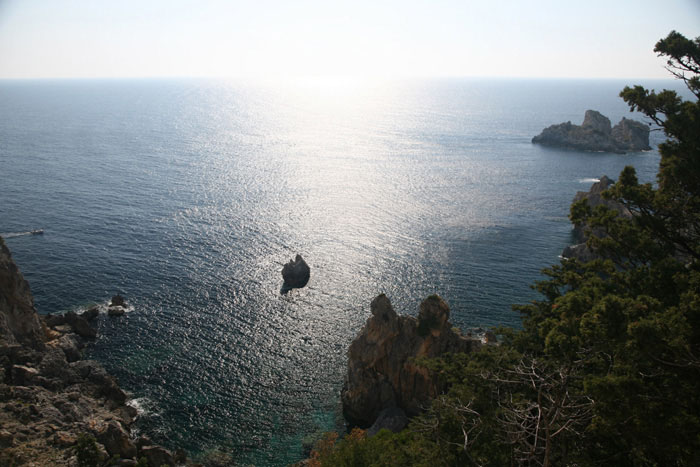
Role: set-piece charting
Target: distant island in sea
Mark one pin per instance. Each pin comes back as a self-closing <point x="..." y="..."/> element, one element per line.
<point x="596" y="134"/>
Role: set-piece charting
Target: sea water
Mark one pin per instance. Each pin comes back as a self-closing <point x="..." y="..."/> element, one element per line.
<point x="187" y="196"/>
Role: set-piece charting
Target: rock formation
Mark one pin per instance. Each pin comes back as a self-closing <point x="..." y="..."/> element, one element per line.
<point x="19" y="323"/>
<point x="594" y="197"/>
<point x="296" y="273"/>
<point x="117" y="307"/>
<point x="596" y="134"/>
<point x="382" y="371"/>
<point x="48" y="395"/>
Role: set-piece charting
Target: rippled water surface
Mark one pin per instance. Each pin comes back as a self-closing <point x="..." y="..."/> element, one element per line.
<point x="188" y="196"/>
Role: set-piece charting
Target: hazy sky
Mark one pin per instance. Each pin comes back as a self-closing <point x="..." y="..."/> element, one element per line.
<point x="119" y="38"/>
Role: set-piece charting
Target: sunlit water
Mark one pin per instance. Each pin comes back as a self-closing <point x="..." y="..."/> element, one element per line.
<point x="188" y="196"/>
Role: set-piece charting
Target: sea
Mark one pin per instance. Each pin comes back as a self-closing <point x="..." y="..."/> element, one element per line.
<point x="187" y="196"/>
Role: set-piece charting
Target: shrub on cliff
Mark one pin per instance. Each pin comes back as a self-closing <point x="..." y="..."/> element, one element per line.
<point x="606" y="369"/>
<point x="86" y="451"/>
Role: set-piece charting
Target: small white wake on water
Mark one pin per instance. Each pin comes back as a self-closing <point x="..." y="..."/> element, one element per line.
<point x="588" y="180"/>
<point x="103" y="307"/>
<point x="21" y="234"/>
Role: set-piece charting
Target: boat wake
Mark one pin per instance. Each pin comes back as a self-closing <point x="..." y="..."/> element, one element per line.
<point x="22" y="234"/>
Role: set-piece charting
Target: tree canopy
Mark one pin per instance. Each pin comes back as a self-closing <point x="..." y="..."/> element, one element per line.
<point x="606" y="367"/>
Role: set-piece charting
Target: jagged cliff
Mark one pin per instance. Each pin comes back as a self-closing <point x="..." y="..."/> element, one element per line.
<point x="594" y="197"/>
<point x="48" y="395"/>
<point x="382" y="372"/>
<point x="596" y="134"/>
<point x="19" y="323"/>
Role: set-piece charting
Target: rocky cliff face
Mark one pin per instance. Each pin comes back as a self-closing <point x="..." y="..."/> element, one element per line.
<point x="594" y="197"/>
<point x="596" y="134"/>
<point x="19" y="323"/>
<point x="382" y="372"/>
<point x="48" y="395"/>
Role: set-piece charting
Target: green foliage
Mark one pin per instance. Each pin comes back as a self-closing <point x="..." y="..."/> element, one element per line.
<point x="86" y="451"/>
<point x="606" y="369"/>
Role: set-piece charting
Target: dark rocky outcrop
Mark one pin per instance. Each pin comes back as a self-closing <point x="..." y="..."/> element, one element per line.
<point x="19" y="322"/>
<point x="48" y="394"/>
<point x="594" y="197"/>
<point x="382" y="371"/>
<point x="596" y="134"/>
<point x="116" y="310"/>
<point x="296" y="273"/>
<point x="393" y="419"/>
<point x="117" y="306"/>
<point x="117" y="300"/>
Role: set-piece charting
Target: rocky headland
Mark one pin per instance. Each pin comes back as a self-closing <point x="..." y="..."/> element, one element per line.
<point x="384" y="382"/>
<point x="51" y="400"/>
<point x="597" y="134"/>
<point x="594" y="197"/>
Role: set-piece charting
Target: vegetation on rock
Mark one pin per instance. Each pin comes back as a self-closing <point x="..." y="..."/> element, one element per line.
<point x="606" y="370"/>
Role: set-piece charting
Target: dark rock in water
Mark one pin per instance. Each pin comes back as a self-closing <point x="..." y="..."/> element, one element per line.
<point x="116" y="310"/>
<point x="596" y="134"/>
<point x="83" y="328"/>
<point x="91" y="313"/>
<point x="393" y="419"/>
<point x="296" y="273"/>
<point x="80" y="325"/>
<point x="382" y="372"/>
<point x="117" y="300"/>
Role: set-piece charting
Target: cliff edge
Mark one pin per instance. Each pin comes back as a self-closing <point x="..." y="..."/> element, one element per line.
<point x="49" y="397"/>
<point x="594" y="197"/>
<point x="382" y="372"/>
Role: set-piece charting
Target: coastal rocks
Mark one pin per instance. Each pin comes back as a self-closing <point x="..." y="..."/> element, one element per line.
<point x="116" y="440"/>
<point x="116" y="310"/>
<point x="594" y="197"/>
<point x="382" y="372"/>
<point x="156" y="455"/>
<point x="296" y="273"/>
<point x="68" y="322"/>
<point x="91" y="313"/>
<point x="80" y="325"/>
<point x="49" y="397"/>
<point x="596" y="134"/>
<point x="117" y="306"/>
<point x="117" y="300"/>
<point x="19" y="322"/>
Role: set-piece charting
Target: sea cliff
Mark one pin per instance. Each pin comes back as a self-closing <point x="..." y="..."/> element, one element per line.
<point x="383" y="372"/>
<point x="53" y="404"/>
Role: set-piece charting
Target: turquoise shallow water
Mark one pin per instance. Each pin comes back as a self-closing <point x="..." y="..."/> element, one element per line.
<point x="187" y="196"/>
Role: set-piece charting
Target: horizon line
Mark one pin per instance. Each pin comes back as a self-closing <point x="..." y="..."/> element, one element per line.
<point x="272" y="78"/>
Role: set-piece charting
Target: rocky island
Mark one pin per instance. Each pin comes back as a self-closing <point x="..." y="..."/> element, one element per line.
<point x="296" y="273"/>
<point x="596" y="134"/>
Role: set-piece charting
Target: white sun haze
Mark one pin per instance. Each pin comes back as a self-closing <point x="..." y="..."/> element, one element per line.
<point x="88" y="38"/>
